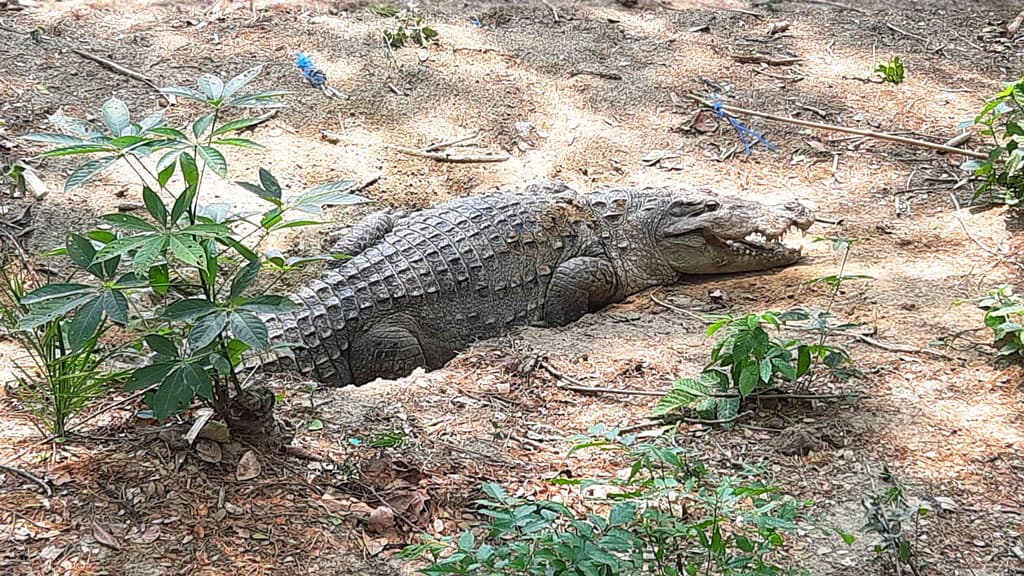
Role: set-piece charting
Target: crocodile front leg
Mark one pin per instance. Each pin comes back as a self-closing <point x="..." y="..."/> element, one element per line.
<point x="578" y="286"/>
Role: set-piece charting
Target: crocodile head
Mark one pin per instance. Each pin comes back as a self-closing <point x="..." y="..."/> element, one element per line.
<point x="701" y="232"/>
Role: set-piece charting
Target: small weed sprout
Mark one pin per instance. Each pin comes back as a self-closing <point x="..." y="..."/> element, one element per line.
<point x="1002" y="120"/>
<point x="895" y="522"/>
<point x="409" y="26"/>
<point x="891" y="71"/>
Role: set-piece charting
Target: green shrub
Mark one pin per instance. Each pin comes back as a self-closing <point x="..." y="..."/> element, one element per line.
<point x="1002" y="120"/>
<point x="190" y="254"/>
<point x="1004" y="314"/>
<point x="746" y="359"/>
<point x="668" y="517"/>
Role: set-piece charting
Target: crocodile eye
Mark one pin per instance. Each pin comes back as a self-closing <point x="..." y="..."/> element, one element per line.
<point x="711" y="206"/>
<point x="682" y="208"/>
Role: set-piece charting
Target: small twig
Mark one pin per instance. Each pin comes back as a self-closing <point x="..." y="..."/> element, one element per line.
<point x="836" y="5"/>
<point x="730" y="420"/>
<point x="905" y="33"/>
<point x="449" y="143"/>
<point x="114" y="66"/>
<point x="598" y="73"/>
<point x="449" y="157"/>
<point x="675" y="308"/>
<point x="570" y="383"/>
<point x="368" y="182"/>
<point x="70" y="428"/>
<point x="554" y="11"/>
<point x="829" y="221"/>
<point x="959" y="139"/>
<point x="963" y="226"/>
<point x="848" y="130"/>
<point x="766" y="59"/>
<point x="747" y="12"/>
<point x="28" y="476"/>
<point x="896" y="347"/>
<point x="777" y="76"/>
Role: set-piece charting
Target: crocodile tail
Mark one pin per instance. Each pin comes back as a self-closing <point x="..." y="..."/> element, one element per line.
<point x="314" y="336"/>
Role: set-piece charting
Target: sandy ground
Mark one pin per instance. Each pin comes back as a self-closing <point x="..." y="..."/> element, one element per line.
<point x="585" y="96"/>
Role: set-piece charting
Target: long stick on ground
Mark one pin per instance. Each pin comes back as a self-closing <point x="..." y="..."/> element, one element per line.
<point x="846" y="129"/>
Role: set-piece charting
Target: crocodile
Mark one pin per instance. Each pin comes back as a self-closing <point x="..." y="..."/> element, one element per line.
<point x="421" y="287"/>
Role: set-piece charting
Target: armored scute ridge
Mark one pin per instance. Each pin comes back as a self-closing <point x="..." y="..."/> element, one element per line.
<point x="420" y="288"/>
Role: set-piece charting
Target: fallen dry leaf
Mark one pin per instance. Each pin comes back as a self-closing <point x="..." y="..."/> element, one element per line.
<point x="104" y="537"/>
<point x="208" y="451"/>
<point x="248" y="467"/>
<point x="381" y="520"/>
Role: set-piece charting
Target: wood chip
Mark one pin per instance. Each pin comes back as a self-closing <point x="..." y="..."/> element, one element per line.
<point x="248" y="467"/>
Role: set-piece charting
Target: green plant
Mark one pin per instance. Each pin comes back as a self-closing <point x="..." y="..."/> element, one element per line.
<point x="191" y="255"/>
<point x="1002" y="119"/>
<point x="896" y="522"/>
<point x="409" y="26"/>
<point x="1004" y="314"/>
<point x="668" y="516"/>
<point x="745" y="359"/>
<point x="66" y="371"/>
<point x="892" y="70"/>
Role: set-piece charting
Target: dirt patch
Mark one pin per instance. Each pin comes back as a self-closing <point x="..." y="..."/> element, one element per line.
<point x="583" y="97"/>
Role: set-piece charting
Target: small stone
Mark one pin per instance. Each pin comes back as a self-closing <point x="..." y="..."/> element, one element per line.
<point x="216" y="431"/>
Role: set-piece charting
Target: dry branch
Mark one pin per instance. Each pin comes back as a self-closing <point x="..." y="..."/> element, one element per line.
<point x="449" y="157"/>
<point x="845" y="129"/>
<point x="115" y="67"/>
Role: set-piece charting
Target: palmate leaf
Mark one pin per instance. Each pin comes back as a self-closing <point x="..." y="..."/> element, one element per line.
<point x="202" y="124"/>
<point x="88" y="171"/>
<point x="116" y="116"/>
<point x="269" y="304"/>
<point x="55" y="291"/>
<point x="179" y="386"/>
<point x="183" y="92"/>
<point x="128" y="221"/>
<point x="250" y="329"/>
<point x="88" y="148"/>
<point x="269" y="99"/>
<point x="239" y="142"/>
<point x="85" y="323"/>
<point x="50" y="310"/>
<point x="154" y="205"/>
<point x="238" y="124"/>
<point x="244" y="278"/>
<point x="115" y="304"/>
<point x="214" y="159"/>
<point x="149" y="252"/>
<point x="54" y="138"/>
<point x="189" y="309"/>
<point x="330" y="194"/>
<point x="211" y="85"/>
<point x="187" y="250"/>
<point x="240" y="81"/>
<point x="206" y="330"/>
